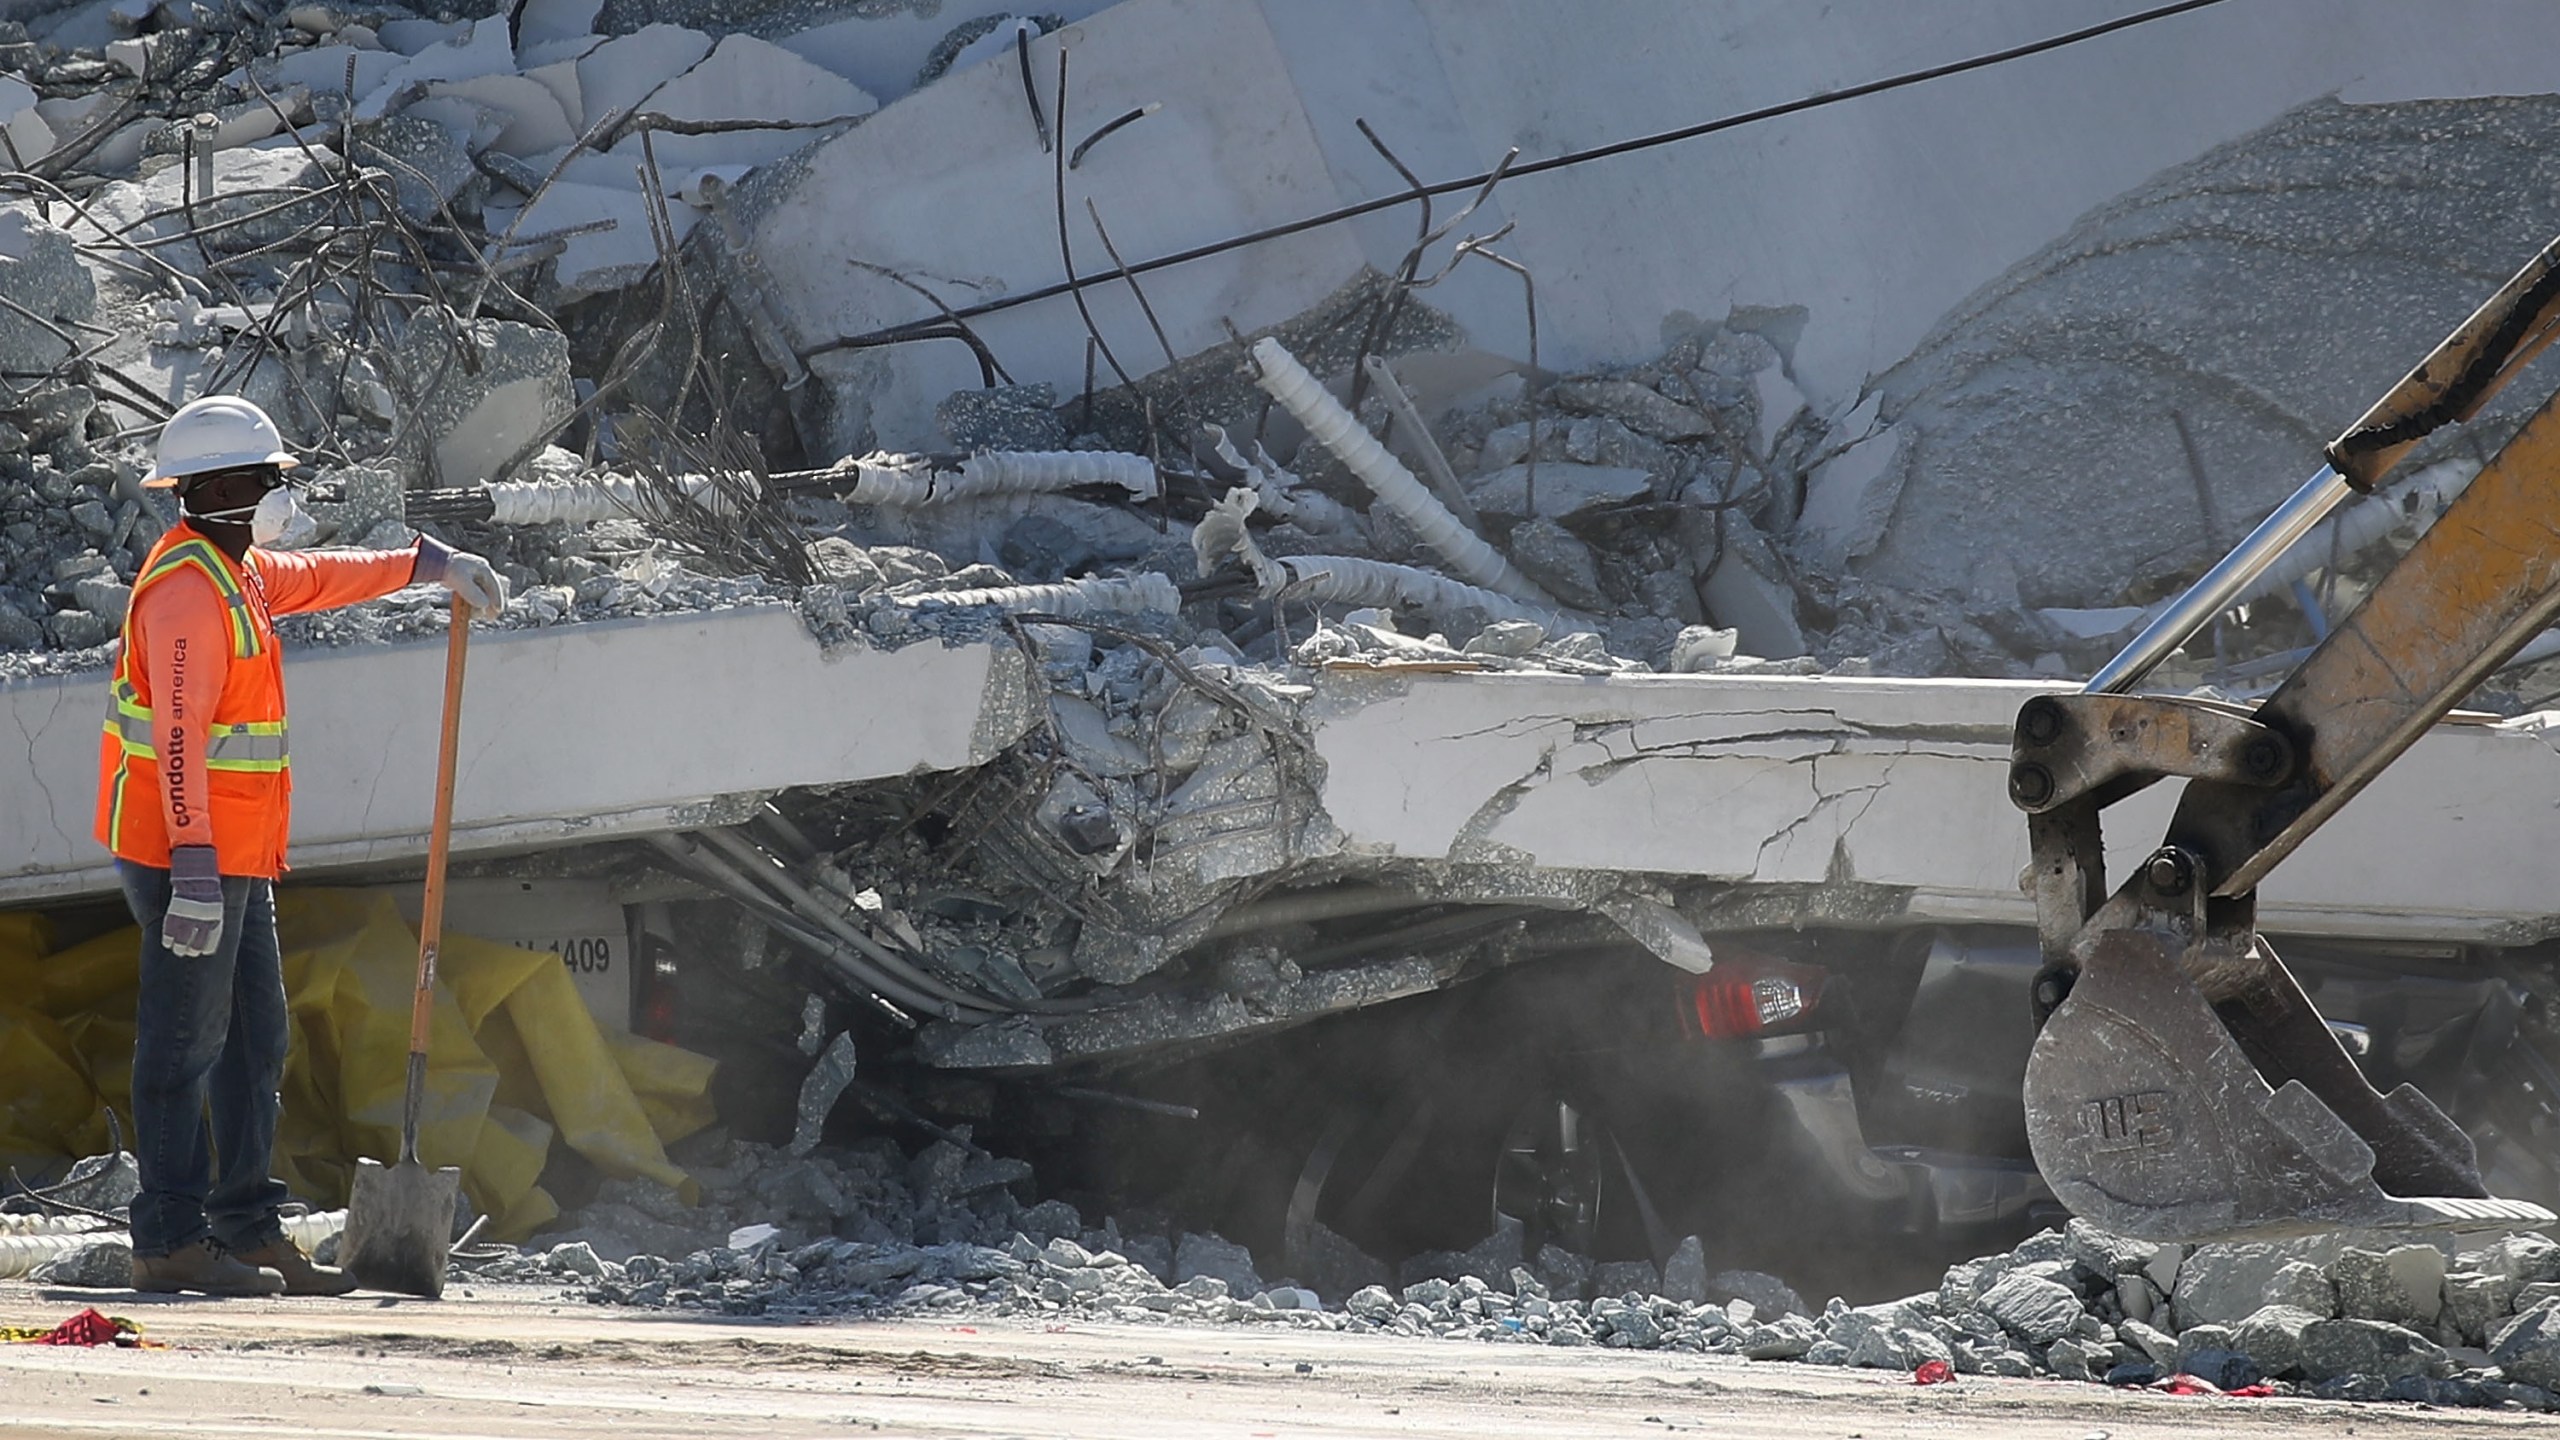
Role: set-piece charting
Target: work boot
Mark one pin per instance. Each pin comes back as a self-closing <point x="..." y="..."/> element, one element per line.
<point x="202" y="1268"/>
<point x="301" y="1276"/>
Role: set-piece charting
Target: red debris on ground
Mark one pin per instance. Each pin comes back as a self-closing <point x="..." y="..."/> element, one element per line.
<point x="1934" y="1372"/>
<point x="86" y="1328"/>
<point x="2184" y="1384"/>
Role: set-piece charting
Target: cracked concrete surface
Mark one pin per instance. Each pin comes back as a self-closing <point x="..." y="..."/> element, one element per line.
<point x="1878" y="787"/>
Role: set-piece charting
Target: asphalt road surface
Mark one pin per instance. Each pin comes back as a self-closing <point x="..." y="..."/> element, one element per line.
<point x="518" y="1365"/>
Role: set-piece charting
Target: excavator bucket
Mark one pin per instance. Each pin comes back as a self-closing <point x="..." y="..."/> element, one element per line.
<point x="2149" y="1119"/>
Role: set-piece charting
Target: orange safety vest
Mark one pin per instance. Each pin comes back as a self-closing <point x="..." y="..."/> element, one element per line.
<point x="248" y="776"/>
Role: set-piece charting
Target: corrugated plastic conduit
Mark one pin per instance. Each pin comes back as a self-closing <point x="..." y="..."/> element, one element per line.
<point x="1337" y="430"/>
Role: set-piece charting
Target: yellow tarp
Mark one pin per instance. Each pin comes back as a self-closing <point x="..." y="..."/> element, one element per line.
<point x="493" y="1104"/>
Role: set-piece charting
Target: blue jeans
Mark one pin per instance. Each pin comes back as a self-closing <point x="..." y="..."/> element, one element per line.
<point x="210" y="1032"/>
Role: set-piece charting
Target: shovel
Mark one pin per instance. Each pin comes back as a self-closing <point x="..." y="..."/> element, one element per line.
<point x="400" y="1218"/>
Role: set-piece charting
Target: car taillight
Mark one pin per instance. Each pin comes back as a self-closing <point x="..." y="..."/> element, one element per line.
<point x="1750" y="995"/>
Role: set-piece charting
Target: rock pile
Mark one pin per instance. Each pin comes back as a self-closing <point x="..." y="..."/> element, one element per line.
<point x="868" y="1229"/>
<point x="2341" y="1317"/>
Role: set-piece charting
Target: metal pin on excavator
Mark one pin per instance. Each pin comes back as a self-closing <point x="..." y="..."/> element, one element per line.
<point x="2183" y="1087"/>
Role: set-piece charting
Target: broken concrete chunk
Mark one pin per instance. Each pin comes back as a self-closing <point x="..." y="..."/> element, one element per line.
<point x="1085" y="733"/>
<point x="104" y="596"/>
<point x="2528" y="1347"/>
<point x="1559" y="561"/>
<point x="1004" y="1045"/>
<point x="1656" y="926"/>
<point x="745" y="78"/>
<point x="1741" y="589"/>
<point x="1564" y="490"/>
<point x="104" y="1265"/>
<point x="78" y="629"/>
<point x="2304" y="1286"/>
<point x="622" y="73"/>
<point x="1684" y="1275"/>
<point x="24" y="131"/>
<point x="2404" y="1285"/>
<point x="1207" y="1257"/>
<point x="1641" y="408"/>
<point x="250" y="205"/>
<point x="2475" y="1305"/>
<point x="592" y="260"/>
<point x="471" y="416"/>
<point x="824" y="1085"/>
<point x="132" y="55"/>
<point x="536" y="120"/>
<point x="2272" y="1337"/>
<point x="2332" y="1348"/>
<point x="841" y="562"/>
<point x="2036" y="1311"/>
<point x="1778" y="402"/>
<point x="1512" y="639"/>
<point x="1701" y="648"/>
<point x="1851" y="499"/>
<point x="428" y="167"/>
<point x="542" y="22"/>
<point x="2526" y="1259"/>
<point x="40" y="271"/>
<point x="483" y="49"/>
<point x="72" y="116"/>
<point x="1002" y="417"/>
<point x="339" y="70"/>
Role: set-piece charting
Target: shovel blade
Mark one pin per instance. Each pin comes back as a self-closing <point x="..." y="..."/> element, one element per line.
<point x="400" y="1227"/>
<point x="2147" y="1120"/>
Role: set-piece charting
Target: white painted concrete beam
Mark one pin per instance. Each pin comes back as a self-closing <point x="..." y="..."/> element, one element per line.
<point x="574" y="733"/>
<point x="1902" y="783"/>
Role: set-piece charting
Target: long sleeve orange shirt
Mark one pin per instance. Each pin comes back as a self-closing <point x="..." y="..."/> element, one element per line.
<point x="183" y="641"/>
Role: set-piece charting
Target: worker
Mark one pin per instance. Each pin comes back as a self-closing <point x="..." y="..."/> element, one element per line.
<point x="194" y="780"/>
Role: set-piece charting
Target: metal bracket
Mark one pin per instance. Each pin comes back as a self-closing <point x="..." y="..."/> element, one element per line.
<point x="2109" y="746"/>
<point x="2074" y="755"/>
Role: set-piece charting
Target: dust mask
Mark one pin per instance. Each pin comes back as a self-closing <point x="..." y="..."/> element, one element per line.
<point x="276" y="516"/>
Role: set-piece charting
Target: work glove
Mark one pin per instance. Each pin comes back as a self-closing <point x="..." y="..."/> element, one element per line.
<point x="469" y="577"/>
<point x="193" y="925"/>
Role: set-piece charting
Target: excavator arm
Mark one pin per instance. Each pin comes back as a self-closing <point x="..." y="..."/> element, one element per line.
<point x="2182" y="1086"/>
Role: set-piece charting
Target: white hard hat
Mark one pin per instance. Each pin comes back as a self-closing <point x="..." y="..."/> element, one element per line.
<point x="218" y="432"/>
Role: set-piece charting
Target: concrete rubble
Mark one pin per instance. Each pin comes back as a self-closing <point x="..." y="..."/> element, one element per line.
<point x="535" y="170"/>
<point x="872" y="1229"/>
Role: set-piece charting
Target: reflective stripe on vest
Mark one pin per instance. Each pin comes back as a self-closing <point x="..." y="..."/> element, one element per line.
<point x="255" y="746"/>
<point x="200" y="554"/>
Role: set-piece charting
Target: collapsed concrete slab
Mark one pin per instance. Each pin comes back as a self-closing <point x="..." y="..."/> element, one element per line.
<point x="1874" y="261"/>
<point x="741" y="82"/>
<point x="571" y="734"/>
<point x="2116" y="410"/>
<point x="1878" y="801"/>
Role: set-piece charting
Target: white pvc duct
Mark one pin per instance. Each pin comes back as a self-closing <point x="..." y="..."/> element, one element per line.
<point x="1337" y="430"/>
<point x="1113" y="595"/>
